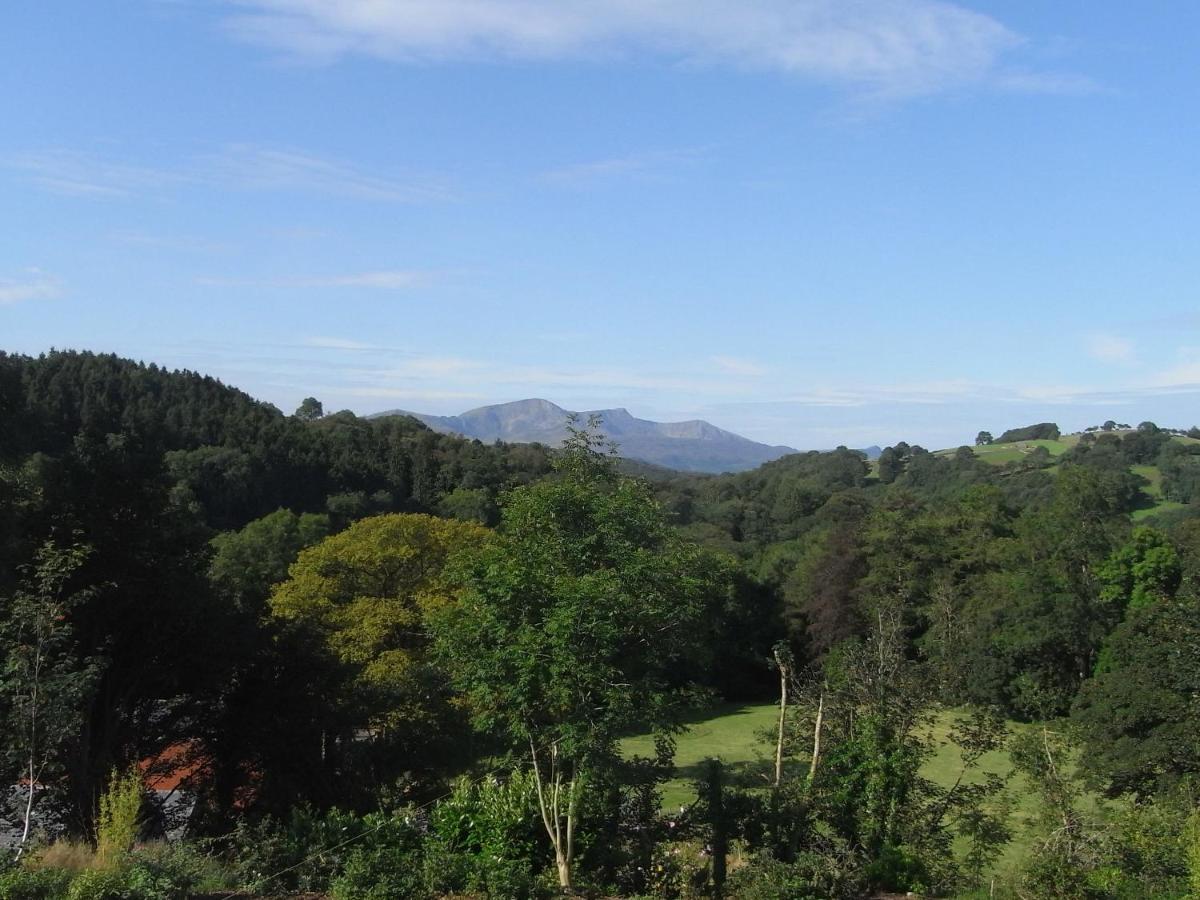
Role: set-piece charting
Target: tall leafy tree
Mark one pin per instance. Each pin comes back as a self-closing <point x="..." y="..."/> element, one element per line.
<point x="573" y="624"/>
<point x="1146" y="568"/>
<point x="310" y="409"/>
<point x="362" y="598"/>
<point x="1140" y="713"/>
<point x="247" y="563"/>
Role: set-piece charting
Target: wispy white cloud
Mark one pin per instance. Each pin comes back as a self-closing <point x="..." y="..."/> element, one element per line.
<point x="389" y="280"/>
<point x="1064" y="84"/>
<point x="1184" y="378"/>
<point x="733" y="365"/>
<point x="265" y="168"/>
<point x="437" y="367"/>
<point x="929" y="392"/>
<point x="1184" y="373"/>
<point x="336" y="343"/>
<point x="75" y="174"/>
<point x="397" y="393"/>
<point x="245" y="167"/>
<point x="640" y="164"/>
<point x="36" y="285"/>
<point x="1057" y="394"/>
<point x="562" y="337"/>
<point x="897" y="47"/>
<point x="169" y="242"/>
<point x="1109" y="348"/>
<point x="383" y="280"/>
<point x="486" y="377"/>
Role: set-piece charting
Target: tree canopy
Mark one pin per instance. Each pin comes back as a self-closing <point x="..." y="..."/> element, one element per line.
<point x="574" y="622"/>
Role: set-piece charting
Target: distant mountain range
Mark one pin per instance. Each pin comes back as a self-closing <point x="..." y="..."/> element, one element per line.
<point x="693" y="446"/>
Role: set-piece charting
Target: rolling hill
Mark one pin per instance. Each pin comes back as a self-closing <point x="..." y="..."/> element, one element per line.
<point x="1153" y="503"/>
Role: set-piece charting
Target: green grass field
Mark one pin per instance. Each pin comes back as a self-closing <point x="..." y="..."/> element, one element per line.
<point x="741" y="736"/>
<point x="1154" y="478"/>
<point x="1161" y="506"/>
<point x="999" y="454"/>
<point x="1011" y="451"/>
<point x="732" y="733"/>
<point x="1153" y="491"/>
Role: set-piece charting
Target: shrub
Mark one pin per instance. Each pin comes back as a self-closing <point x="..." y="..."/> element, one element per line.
<point x="385" y="863"/>
<point x="120" y="815"/>
<point x="99" y="884"/>
<point x="303" y="853"/>
<point x="484" y="838"/>
<point x="184" y="866"/>
<point x="33" y="884"/>
<point x="155" y="872"/>
<point x="813" y="876"/>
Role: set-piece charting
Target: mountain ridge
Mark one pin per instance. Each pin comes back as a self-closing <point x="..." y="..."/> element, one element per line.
<point x="693" y="445"/>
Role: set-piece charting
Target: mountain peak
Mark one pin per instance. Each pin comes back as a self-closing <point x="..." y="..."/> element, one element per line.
<point x="695" y="445"/>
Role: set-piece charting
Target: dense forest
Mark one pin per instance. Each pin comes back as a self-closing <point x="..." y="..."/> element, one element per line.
<point x="384" y="662"/>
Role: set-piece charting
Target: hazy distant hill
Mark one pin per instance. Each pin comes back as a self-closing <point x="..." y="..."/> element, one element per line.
<point x="694" y="446"/>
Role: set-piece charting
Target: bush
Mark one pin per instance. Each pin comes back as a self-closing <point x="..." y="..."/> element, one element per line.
<point x="302" y="854"/>
<point x="156" y="872"/>
<point x="33" y="884"/>
<point x="120" y="815"/>
<point x="484" y="838"/>
<point x="385" y="863"/>
<point x="813" y="876"/>
<point x="183" y="866"/>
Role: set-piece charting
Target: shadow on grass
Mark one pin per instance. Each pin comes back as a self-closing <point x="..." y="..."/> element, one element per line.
<point x="744" y="774"/>
<point x="704" y="715"/>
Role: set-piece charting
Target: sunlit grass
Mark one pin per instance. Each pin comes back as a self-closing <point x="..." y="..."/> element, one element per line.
<point x="741" y="737"/>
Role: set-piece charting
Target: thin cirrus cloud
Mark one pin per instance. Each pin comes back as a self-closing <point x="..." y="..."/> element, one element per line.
<point x="383" y="280"/>
<point x="1185" y="373"/>
<point x="264" y="168"/>
<point x="244" y="167"/>
<point x="732" y="365"/>
<point x="896" y="47"/>
<point x="336" y="343"/>
<point x="959" y="391"/>
<point x="634" y="164"/>
<point x="74" y="174"/>
<point x="1110" y="348"/>
<point x="35" y="286"/>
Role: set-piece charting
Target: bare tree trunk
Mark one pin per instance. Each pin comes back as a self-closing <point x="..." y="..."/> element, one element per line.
<point x="816" y="751"/>
<point x="552" y="820"/>
<point x="783" y="702"/>
<point x="34" y="699"/>
<point x="572" y="809"/>
<point x="28" y="811"/>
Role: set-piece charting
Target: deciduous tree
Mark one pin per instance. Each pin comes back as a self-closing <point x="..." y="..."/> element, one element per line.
<point x="572" y="624"/>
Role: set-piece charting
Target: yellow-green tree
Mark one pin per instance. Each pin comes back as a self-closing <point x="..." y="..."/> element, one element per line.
<point x="362" y="597"/>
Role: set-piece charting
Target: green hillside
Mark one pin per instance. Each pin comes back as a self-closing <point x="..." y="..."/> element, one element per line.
<point x="1016" y="450"/>
<point x="1008" y="452"/>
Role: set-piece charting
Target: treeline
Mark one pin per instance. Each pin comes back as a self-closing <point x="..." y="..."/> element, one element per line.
<point x="126" y="493"/>
<point x="325" y="620"/>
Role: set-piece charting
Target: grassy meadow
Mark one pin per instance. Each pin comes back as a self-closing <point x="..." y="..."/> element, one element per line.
<point x="742" y="736"/>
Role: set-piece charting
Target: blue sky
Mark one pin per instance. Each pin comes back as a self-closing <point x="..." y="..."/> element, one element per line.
<point x="810" y="221"/>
